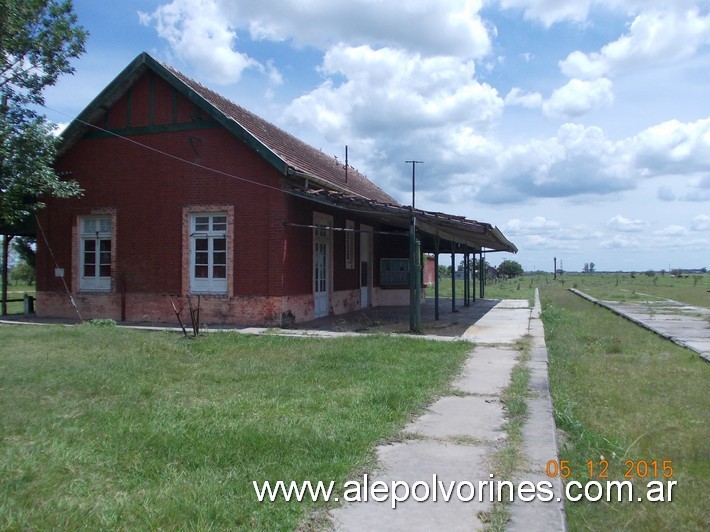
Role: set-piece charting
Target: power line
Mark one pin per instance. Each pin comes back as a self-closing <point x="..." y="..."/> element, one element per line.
<point x="170" y="155"/>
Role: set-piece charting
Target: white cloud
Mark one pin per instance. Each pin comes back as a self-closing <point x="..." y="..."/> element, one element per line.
<point x="426" y="26"/>
<point x="665" y="193"/>
<point x="627" y="225"/>
<point x="549" y="242"/>
<point x="199" y="34"/>
<point x="673" y="147"/>
<point x="392" y="92"/>
<point x="550" y="11"/>
<point x="579" y="160"/>
<point x="386" y="99"/>
<point x="672" y="230"/>
<point x="654" y="37"/>
<point x="701" y="223"/>
<point x="620" y="242"/>
<point x="539" y="224"/>
<point x="578" y="97"/>
<point x="517" y="96"/>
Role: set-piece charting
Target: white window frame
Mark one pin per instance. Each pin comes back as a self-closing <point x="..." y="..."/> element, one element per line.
<point x="95" y="261"/>
<point x="209" y="259"/>
<point x="349" y="245"/>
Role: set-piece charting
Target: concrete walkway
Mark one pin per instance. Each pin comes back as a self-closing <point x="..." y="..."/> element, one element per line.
<point x="455" y="439"/>
<point x="685" y="325"/>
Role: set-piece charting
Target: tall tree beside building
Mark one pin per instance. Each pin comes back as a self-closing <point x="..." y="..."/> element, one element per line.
<point x="38" y="40"/>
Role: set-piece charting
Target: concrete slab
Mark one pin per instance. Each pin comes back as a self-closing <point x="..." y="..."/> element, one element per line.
<point x="513" y="303"/>
<point x="536" y="515"/>
<point x="487" y="371"/>
<point x="478" y="418"/>
<point x="684" y="324"/>
<point x="502" y="325"/>
<point x="418" y="461"/>
<point x="539" y="443"/>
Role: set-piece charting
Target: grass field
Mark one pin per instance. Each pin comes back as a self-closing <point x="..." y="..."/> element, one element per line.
<point x="519" y="288"/>
<point x="692" y="289"/>
<point x="622" y="393"/>
<point x="17" y="292"/>
<point x="106" y="428"/>
<point x="109" y="428"/>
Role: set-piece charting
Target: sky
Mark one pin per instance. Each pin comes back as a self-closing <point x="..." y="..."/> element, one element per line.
<point x="580" y="128"/>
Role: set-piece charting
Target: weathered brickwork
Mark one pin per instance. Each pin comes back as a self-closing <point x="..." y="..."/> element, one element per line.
<point x="169" y="160"/>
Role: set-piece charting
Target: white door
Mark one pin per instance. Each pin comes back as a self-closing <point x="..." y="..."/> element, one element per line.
<point x="320" y="268"/>
<point x="365" y="265"/>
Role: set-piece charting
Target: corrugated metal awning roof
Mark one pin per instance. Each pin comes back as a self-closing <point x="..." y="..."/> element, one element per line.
<point x="477" y="236"/>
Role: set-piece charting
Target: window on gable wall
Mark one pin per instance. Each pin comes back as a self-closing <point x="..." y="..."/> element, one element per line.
<point x="349" y="244"/>
<point x="95" y="253"/>
<point x="208" y="253"/>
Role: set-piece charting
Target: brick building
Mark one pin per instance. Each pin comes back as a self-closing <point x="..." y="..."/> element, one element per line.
<point x="186" y="193"/>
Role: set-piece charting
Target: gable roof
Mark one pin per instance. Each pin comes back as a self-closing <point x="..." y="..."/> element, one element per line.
<point x="293" y="158"/>
<point x="289" y="155"/>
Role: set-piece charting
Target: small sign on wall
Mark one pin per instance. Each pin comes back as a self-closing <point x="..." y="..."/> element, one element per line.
<point x="59" y="272"/>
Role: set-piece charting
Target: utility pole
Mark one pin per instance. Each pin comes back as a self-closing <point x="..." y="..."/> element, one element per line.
<point x="415" y="311"/>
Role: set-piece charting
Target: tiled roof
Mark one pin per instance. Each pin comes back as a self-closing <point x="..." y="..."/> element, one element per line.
<point x="302" y="157"/>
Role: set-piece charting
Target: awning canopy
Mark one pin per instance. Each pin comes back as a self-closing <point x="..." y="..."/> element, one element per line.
<point x="438" y="232"/>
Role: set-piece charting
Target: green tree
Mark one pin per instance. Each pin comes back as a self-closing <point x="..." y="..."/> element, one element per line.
<point x="22" y="273"/>
<point x="510" y="268"/>
<point x="24" y="246"/>
<point x="38" y="39"/>
<point x="444" y="271"/>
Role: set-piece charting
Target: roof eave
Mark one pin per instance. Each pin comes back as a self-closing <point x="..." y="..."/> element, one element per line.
<point x="117" y="88"/>
<point x="100" y="104"/>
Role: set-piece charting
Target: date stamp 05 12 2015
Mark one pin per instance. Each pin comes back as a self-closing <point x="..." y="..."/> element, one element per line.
<point x="652" y="471"/>
<point x="600" y="469"/>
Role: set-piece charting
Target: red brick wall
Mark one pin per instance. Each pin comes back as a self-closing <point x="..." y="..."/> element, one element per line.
<point x="177" y="158"/>
<point x="148" y="190"/>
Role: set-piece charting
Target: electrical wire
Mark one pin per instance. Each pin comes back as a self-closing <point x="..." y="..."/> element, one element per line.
<point x="175" y="157"/>
<point x="56" y="265"/>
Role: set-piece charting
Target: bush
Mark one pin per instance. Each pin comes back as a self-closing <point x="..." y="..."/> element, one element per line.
<point x="103" y="322"/>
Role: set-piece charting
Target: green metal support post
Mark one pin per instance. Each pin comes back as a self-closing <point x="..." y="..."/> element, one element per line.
<point x="417" y="286"/>
<point x="473" y="276"/>
<point x="453" y="280"/>
<point x="436" y="279"/>
<point x="412" y="275"/>
<point x="481" y="263"/>
<point x="467" y="280"/>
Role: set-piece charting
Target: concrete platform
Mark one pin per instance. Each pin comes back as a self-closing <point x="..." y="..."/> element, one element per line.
<point x="505" y="326"/>
<point x="419" y="461"/>
<point x="483" y="371"/>
<point x="457" y="436"/>
<point x="683" y="324"/>
<point x="477" y="418"/>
